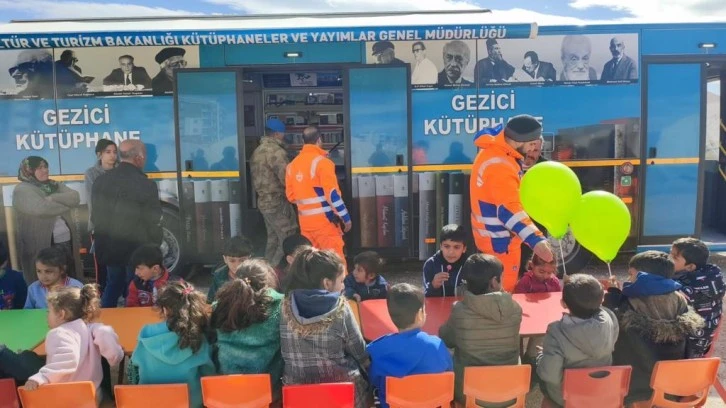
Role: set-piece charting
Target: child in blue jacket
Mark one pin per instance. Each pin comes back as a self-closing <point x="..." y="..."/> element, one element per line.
<point x="366" y="281"/>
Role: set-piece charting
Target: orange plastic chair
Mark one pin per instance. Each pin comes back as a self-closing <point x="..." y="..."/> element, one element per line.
<point x="62" y="395"/>
<point x="720" y="390"/>
<point x="144" y="396"/>
<point x="497" y="384"/>
<point x="239" y="390"/>
<point x="596" y="387"/>
<point x="8" y="394"/>
<point x="688" y="379"/>
<point x="329" y="395"/>
<point x="420" y="391"/>
<point x="356" y="312"/>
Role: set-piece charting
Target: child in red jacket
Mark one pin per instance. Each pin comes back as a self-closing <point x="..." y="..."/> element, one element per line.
<point x="151" y="276"/>
<point x="541" y="277"/>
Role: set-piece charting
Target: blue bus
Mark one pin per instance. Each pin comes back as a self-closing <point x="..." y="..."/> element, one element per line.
<point x="634" y="109"/>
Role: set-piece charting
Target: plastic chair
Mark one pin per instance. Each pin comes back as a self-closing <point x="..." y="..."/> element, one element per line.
<point x="596" y="387"/>
<point x="239" y="390"/>
<point x="329" y="395"/>
<point x="144" y="396"/>
<point x="8" y="394"/>
<point x="688" y="379"/>
<point x="497" y="384"/>
<point x="420" y="391"/>
<point x="356" y="312"/>
<point x="62" y="395"/>
<point x="720" y="390"/>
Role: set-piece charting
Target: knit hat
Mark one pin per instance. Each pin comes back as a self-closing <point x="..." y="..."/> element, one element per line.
<point x="523" y="128"/>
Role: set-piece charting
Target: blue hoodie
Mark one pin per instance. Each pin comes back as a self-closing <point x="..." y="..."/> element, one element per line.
<point x="436" y="264"/>
<point x="406" y="353"/>
<point x="648" y="284"/>
<point x="378" y="289"/>
<point x="159" y="360"/>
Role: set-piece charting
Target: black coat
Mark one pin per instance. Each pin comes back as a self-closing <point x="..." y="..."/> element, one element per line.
<point x="126" y="213"/>
<point x="652" y="328"/>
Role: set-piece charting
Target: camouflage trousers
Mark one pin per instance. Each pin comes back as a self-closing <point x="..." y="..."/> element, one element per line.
<point x="280" y="222"/>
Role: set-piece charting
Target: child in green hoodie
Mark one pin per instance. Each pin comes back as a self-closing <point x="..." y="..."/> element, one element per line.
<point x="175" y="350"/>
<point x="246" y="318"/>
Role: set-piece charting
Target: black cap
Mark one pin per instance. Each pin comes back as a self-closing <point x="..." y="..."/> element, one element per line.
<point x="381" y="46"/>
<point x="167" y="53"/>
<point x="523" y="128"/>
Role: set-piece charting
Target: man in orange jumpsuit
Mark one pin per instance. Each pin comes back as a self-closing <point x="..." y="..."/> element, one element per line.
<point x="311" y="184"/>
<point x="499" y="222"/>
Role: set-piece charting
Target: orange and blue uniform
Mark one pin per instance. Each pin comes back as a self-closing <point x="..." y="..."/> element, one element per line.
<point x="311" y="184"/>
<point x="499" y="222"/>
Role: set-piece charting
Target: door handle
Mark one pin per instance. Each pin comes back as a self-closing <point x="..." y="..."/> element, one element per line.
<point x="652" y="153"/>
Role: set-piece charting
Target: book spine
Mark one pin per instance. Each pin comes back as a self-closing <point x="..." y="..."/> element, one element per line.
<point x="400" y="204"/>
<point x="220" y="214"/>
<point x="190" y="215"/>
<point x="203" y="210"/>
<point x="456" y="198"/>
<point x="368" y="214"/>
<point x="442" y="200"/>
<point x="427" y="214"/>
<point x="385" y="211"/>
<point x="235" y="208"/>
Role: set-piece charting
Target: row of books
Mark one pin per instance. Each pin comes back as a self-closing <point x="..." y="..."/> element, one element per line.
<point x="382" y="206"/>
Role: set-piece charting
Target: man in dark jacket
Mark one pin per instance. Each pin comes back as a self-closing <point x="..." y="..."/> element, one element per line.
<point x="532" y="158"/>
<point x="126" y="214"/>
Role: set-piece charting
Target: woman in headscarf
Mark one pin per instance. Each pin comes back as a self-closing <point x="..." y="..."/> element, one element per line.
<point x="42" y="208"/>
<point x="106" y="159"/>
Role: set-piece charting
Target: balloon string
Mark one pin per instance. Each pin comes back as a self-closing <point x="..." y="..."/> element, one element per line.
<point x="610" y="271"/>
<point x="562" y="255"/>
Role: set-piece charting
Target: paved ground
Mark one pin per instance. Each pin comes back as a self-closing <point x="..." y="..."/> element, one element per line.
<point x="411" y="273"/>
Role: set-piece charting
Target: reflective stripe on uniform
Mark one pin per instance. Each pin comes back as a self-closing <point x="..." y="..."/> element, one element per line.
<point x="314" y="166"/>
<point x="315" y="211"/>
<point x="515" y="219"/>
<point x="483" y="166"/>
<point x="527" y="231"/>
<point x="493" y="234"/>
<point x="313" y="200"/>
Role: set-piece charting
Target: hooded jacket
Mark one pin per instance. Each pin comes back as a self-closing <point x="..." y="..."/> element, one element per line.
<point x="321" y="342"/>
<point x="572" y="342"/>
<point x="704" y="289"/>
<point x="436" y="264"/>
<point x="254" y="349"/>
<point x="483" y="330"/>
<point x="406" y="353"/>
<point x="159" y="360"/>
<point x="374" y="290"/>
<point x="652" y="328"/>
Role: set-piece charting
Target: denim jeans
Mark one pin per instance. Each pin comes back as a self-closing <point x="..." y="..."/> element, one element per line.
<point x="118" y="278"/>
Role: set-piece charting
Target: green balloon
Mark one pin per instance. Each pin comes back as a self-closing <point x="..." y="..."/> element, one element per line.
<point x="550" y="193"/>
<point x="601" y="224"/>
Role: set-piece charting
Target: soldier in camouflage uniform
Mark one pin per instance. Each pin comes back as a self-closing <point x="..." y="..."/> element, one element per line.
<point x="268" y="164"/>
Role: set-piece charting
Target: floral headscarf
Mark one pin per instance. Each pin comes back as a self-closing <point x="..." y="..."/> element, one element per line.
<point x="26" y="173"/>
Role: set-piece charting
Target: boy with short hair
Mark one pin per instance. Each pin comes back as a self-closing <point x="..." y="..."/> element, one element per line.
<point x="12" y="284"/>
<point x="654" y="318"/>
<point x="366" y="281"/>
<point x="442" y="272"/>
<point x="584" y="337"/>
<point x="237" y="250"/>
<point x="289" y="246"/>
<point x="151" y="276"/>
<point x="410" y="351"/>
<point x="483" y="328"/>
<point x="703" y="286"/>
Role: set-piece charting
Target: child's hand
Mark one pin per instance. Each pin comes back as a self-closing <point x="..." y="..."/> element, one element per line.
<point x="439" y="279"/>
<point x="356" y="297"/>
<point x="31" y="385"/>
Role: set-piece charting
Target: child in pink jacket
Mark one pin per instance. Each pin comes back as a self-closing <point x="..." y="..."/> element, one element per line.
<point x="74" y="347"/>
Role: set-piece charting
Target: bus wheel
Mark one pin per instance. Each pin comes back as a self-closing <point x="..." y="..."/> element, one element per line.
<point x="171" y="243"/>
<point x="576" y="256"/>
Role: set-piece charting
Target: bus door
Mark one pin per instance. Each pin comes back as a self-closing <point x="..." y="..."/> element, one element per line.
<point x="382" y="191"/>
<point x="674" y="115"/>
<point x="209" y="141"/>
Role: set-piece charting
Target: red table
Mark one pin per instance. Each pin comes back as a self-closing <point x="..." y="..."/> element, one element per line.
<point x="538" y="311"/>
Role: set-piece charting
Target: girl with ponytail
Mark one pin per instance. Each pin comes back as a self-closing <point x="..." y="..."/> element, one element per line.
<point x="74" y="346"/>
<point x="246" y="319"/>
<point x="176" y="350"/>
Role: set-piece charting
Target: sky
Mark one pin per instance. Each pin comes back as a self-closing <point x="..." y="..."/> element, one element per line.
<point x="551" y="12"/>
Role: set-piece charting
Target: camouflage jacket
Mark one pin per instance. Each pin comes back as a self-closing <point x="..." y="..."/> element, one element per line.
<point x="267" y="165"/>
